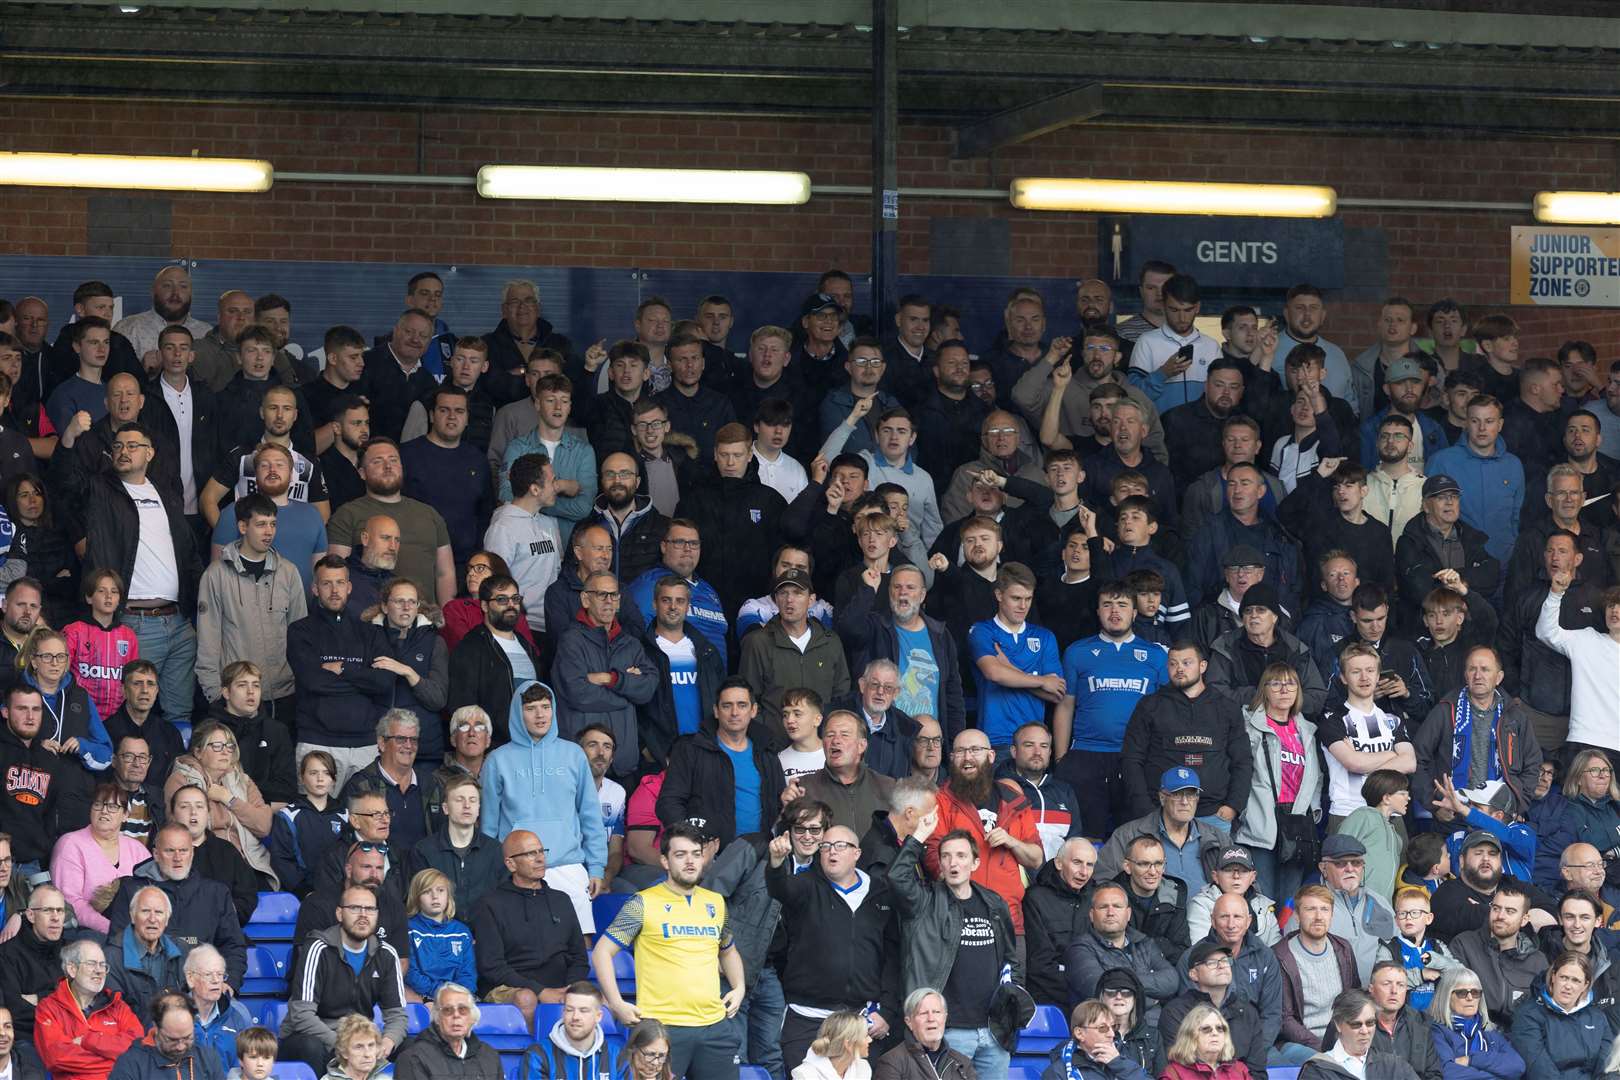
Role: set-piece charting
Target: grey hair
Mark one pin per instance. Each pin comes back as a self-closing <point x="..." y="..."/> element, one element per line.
<point x="136" y="899"/>
<point x="397" y="716"/>
<point x="1348" y="1005"/>
<point x="518" y="283"/>
<point x="915" y="999"/>
<point x="456" y="988"/>
<point x="911" y="792"/>
<point x="878" y="666"/>
<point x="1457" y="978"/>
<point x="201" y="955"/>
<point x="471" y="715"/>
<point x="74" y="951"/>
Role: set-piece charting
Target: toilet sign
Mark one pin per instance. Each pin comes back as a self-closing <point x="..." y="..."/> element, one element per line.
<point x="1565" y="267"/>
<point x="1224" y="252"/>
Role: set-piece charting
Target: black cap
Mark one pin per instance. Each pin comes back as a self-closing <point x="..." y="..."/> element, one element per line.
<point x="1440" y="484"/>
<point x="1261" y="595"/>
<point x="1205" y="950"/>
<point x="1241" y="555"/>
<point x="792" y="576"/>
<point x="1478" y="837"/>
<point x="818" y="302"/>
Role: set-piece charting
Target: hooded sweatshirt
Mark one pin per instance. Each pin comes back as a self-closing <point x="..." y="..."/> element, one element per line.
<point x="556" y="1058"/>
<point x="532" y="547"/>
<point x="544" y="785"/>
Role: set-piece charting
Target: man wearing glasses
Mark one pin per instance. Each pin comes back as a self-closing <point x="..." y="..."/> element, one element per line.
<point x="30" y="962"/>
<point x="841" y="953"/>
<point x="1209" y="974"/>
<point x="682" y="549"/>
<point x="602" y="673"/>
<point x="135" y="528"/>
<point x="371" y="822"/>
<point x="493" y="657"/>
<point x="448" y="1046"/>
<point x="395" y="773"/>
<point x="81" y="1028"/>
<point x="341" y="970"/>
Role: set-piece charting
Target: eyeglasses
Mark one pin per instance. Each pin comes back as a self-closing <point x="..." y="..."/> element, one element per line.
<point x="106" y="807"/>
<point x="1117" y="992"/>
<point x="1218" y="962"/>
<point x="650" y="425"/>
<point x="211" y="976"/>
<point x="1596" y="770"/>
<point x="1212" y="1029"/>
<point x="1002" y="431"/>
<point x="219" y="746"/>
<point x="868" y="361"/>
<point x="1466" y="992"/>
<point x="1361" y="1025"/>
<point x="600" y="594"/>
<point x="51" y="657"/>
<point x="1418" y="914"/>
<point x="464" y="727"/>
<point x="683" y="543"/>
<point x="619" y="474"/>
<point x="93" y="965"/>
<point x="49" y="910"/>
<point x="403" y="740"/>
<point x="522" y="302"/>
<point x="1155" y="865"/>
<point x="530" y="854"/>
<point x="117" y="446"/>
<point x="837" y="847"/>
<point x="359" y="909"/>
<point x="929" y="740"/>
<point x="807" y="830"/>
<point x="653" y="1055"/>
<point x="372" y="814"/>
<point x="1584" y="866"/>
<point x="972" y="751"/>
<point x="505" y="599"/>
<point x="136" y="759"/>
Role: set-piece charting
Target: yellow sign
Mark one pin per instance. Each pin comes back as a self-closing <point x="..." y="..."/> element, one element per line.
<point x="1565" y="267"/>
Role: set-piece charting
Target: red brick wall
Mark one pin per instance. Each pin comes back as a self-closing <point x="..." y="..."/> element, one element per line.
<point x="1430" y="253"/>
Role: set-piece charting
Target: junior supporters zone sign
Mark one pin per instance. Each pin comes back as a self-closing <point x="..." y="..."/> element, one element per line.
<point x="1558" y="267"/>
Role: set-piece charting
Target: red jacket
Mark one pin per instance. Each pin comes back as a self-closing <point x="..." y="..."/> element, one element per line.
<point x="106" y="1033"/>
<point x="1226" y="1070"/>
<point x="998" y="870"/>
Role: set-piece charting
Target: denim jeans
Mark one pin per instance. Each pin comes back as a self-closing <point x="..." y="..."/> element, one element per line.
<point x="169" y="642"/>
<point x="1215" y="821"/>
<point x="759" y="1023"/>
<point x="1278" y="880"/>
<point x="979" y="1047"/>
<point x="1289" y="1053"/>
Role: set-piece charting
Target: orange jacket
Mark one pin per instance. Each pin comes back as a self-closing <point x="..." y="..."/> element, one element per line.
<point x="998" y="870"/>
<point x="103" y="1035"/>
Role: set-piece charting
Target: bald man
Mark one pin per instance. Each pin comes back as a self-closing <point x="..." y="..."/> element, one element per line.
<point x="529" y="943"/>
<point x="171" y="306"/>
<point x="373" y="562"/>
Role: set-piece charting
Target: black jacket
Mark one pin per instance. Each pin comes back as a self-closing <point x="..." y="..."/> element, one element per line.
<point x="1162" y="916"/>
<point x="880" y="845"/>
<point x="504" y="354"/>
<point x="391" y="391"/>
<point x="1418" y="562"/>
<point x="1242" y="1020"/>
<point x="481" y="675"/>
<point x="1192" y="435"/>
<point x="948" y="431"/>
<point x="527" y="938"/>
<point x="28" y="965"/>
<point x="888" y="750"/>
<point x="34" y="779"/>
<point x="1308" y="512"/>
<point x="699" y="416"/>
<point x="164" y="743"/>
<point x="869" y="635"/>
<point x="203" y="911"/>
<point x="837" y="958"/>
<point x="218" y="860"/>
<point x="236" y="409"/>
<point x="1531" y="669"/>
<point x="1055" y="916"/>
<point x="113" y="530"/>
<point x="426" y="1056"/>
<point x="740" y="521"/>
<point x="637" y="547"/>
<point x="699" y="786"/>
<point x="1526" y="570"/>
<point x="323" y="988"/>
<point x="473" y="875"/>
<point x="1411" y="1043"/>
<point x="1205" y="733"/>
<point x="157" y="415"/>
<point x="267" y="752"/>
<point x="657" y="722"/>
<point x="336" y="710"/>
<point x="73" y="470"/>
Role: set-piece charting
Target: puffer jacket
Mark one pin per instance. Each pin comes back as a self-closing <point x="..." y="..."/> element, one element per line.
<point x="1054" y="916"/>
<point x="585" y="647"/>
<point x="243" y="618"/>
<point x="426" y="1056"/>
<point x="1490" y="1053"/>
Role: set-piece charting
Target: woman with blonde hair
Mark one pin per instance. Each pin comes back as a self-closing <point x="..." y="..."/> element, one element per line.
<point x="358" y="1053"/>
<point x="839" y="1052"/>
<point x="1591" y="810"/>
<point x="1203" y="1049"/>
<point x="1467" y="1043"/>
<point x="237" y="813"/>
<point x="1278" y="825"/>
<point x="441" y="944"/>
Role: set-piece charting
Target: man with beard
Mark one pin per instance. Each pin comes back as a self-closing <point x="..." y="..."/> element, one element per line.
<point x="1100" y="353"/>
<point x="300" y="535"/>
<point x="22" y="611"/>
<point x="632" y="522"/>
<point x="425" y="555"/>
<point x="373" y="563"/>
<point x="278" y="415"/>
<point x="493" y="657"/>
<point x="1406" y="383"/>
<point x="1502" y="950"/>
<point x="1360" y="916"/>
<point x="948" y="417"/>
<point x="1597" y="471"/>
<point x="996" y="817"/>
<point x="1304" y="314"/>
<point x="449" y="471"/>
<point x="1105" y="678"/>
<point x="1193" y="432"/>
<point x="171" y="306"/>
<point x="920" y="647"/>
<point x="695" y="408"/>
<point x="340" y="462"/>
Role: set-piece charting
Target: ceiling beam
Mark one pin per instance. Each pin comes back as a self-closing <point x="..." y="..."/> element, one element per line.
<point x="1029" y="121"/>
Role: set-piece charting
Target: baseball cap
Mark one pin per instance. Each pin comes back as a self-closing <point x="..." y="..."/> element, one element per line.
<point x="1205" y="950"/>
<point x="1340" y="846"/>
<point x="1403" y="369"/>
<point x="818" y="302"/>
<point x="1235" y="855"/>
<point x="1478" y="837"/>
<point x="792" y="576"/>
<point x="1241" y="555"/>
<point x="1440" y="484"/>
<point x="1179" y="778"/>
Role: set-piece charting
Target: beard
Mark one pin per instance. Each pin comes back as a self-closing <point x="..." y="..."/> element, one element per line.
<point x="504" y="618"/>
<point x="386" y="487"/>
<point x="973" y="790"/>
<point x="171" y="313"/>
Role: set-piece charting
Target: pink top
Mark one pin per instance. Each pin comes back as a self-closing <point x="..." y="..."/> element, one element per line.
<point x="79" y="867"/>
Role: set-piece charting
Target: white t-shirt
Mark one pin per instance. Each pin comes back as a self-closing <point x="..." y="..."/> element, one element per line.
<point x="522" y="666"/>
<point x="1374" y="732"/>
<point x="802" y="642"/>
<point x="797" y="763"/>
<point x="155" y="576"/>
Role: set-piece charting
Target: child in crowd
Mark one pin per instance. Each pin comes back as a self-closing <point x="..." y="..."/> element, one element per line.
<point x="1147" y="591"/>
<point x="441" y="944"/>
<point x="99" y="647"/>
<point x="801" y="719"/>
<point x="1423" y="957"/>
<point x="256" y="1050"/>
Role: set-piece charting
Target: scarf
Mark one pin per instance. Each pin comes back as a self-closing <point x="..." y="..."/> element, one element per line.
<point x="1069" y="1069"/>
<point x="1462" y="731"/>
<point x="224" y="824"/>
<point x="1472" y="1030"/>
<point x="1413" y="958"/>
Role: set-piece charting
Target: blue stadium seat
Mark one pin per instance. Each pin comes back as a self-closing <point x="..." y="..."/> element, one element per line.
<point x="263" y="976"/>
<point x="546" y="1017"/>
<point x="1021" y="1072"/>
<point x="513" y="1068"/>
<point x="606" y="907"/>
<point x="292" y="1070"/>
<point x="1029" y="1061"/>
<point x="281" y="952"/>
<point x="416" y="1017"/>
<point x="624" y="970"/>
<point x="753" y="1072"/>
<point x="1046" y="1029"/>
<point x="502" y="1027"/>
<point x="272" y="1014"/>
<point x="185" y="731"/>
<point x="1278" y="1072"/>
<point x="274" y="919"/>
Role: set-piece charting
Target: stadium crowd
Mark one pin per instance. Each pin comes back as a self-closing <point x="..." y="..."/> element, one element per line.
<point x="1251" y="700"/>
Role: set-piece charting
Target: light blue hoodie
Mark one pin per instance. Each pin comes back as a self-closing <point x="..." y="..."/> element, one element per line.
<point x="547" y="788"/>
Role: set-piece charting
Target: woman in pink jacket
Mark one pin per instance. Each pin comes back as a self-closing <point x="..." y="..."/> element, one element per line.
<point x="88" y="863"/>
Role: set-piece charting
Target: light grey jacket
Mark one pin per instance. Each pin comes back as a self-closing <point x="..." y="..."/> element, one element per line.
<point x="1258" y="825"/>
<point x="242" y="619"/>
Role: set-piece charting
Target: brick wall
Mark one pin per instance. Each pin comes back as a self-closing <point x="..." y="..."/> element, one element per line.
<point x="1429" y="254"/>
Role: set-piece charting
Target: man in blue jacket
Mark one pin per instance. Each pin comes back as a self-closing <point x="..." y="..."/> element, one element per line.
<point x="542" y="783"/>
<point x="1490" y="479"/>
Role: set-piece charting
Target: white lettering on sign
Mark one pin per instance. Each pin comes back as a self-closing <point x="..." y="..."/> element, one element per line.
<point x="1565" y="266"/>
<point x="1237" y="251"/>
